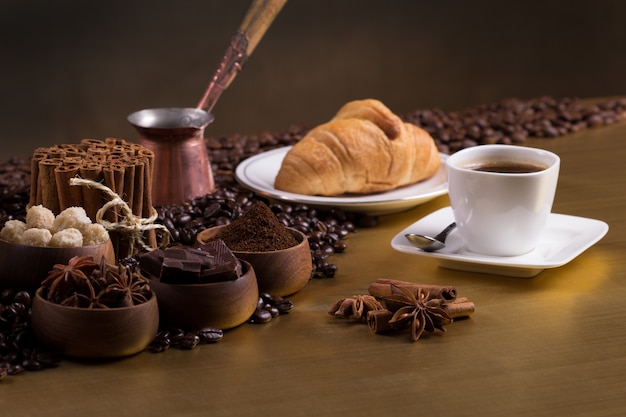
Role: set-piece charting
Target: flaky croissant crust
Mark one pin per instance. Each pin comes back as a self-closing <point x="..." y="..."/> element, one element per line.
<point x="364" y="149"/>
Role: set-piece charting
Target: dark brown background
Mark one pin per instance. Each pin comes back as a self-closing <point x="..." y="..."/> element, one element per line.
<point x="72" y="69"/>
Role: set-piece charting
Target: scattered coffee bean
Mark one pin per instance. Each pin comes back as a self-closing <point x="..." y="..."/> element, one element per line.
<point x="19" y="350"/>
<point x="161" y="342"/>
<point x="269" y="307"/>
<point x="210" y="335"/>
<point x="323" y="229"/>
<point x="188" y="341"/>
<point x="178" y="338"/>
<point x="260" y="315"/>
<point x="511" y="121"/>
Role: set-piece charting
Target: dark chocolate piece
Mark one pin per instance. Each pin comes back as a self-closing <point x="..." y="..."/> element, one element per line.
<point x="150" y="263"/>
<point x="212" y="262"/>
<point x="225" y="262"/>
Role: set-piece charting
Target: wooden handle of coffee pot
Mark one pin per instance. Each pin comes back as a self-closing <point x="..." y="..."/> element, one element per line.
<point x="258" y="18"/>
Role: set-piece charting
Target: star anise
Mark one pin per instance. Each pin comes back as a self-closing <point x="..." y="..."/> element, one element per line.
<point x="417" y="311"/>
<point x="85" y="284"/>
<point x="124" y="287"/>
<point x="355" y="307"/>
<point x="64" y="280"/>
<point x="90" y="300"/>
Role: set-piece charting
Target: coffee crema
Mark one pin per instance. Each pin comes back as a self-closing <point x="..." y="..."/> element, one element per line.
<point x="506" y="167"/>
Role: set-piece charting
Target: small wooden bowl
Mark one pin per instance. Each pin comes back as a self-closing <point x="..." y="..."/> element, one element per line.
<point x="221" y="305"/>
<point x="281" y="272"/>
<point x="93" y="332"/>
<point x="25" y="267"/>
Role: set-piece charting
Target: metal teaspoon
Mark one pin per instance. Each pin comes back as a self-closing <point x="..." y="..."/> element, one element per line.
<point x="430" y="244"/>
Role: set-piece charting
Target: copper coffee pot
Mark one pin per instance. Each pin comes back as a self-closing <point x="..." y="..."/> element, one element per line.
<point x="182" y="169"/>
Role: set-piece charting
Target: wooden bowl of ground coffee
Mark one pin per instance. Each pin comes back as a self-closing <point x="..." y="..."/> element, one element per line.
<point x="280" y="256"/>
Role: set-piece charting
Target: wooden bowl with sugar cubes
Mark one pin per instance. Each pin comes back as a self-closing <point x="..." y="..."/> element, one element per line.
<point x="30" y="249"/>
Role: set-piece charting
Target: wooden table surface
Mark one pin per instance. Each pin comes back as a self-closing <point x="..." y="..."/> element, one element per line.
<point x="550" y="345"/>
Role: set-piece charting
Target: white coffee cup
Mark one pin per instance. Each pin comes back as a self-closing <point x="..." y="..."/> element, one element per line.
<point x="501" y="213"/>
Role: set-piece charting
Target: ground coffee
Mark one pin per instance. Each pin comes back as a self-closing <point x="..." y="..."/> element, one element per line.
<point x="256" y="230"/>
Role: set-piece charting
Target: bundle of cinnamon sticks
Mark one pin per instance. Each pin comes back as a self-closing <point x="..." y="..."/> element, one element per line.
<point x="126" y="168"/>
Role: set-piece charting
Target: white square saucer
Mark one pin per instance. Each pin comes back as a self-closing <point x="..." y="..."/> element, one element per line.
<point x="564" y="239"/>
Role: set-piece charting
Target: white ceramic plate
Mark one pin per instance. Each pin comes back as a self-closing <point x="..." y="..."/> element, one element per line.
<point x="565" y="238"/>
<point x="258" y="173"/>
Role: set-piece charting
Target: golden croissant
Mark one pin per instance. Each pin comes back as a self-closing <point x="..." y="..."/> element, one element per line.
<point x="364" y="149"/>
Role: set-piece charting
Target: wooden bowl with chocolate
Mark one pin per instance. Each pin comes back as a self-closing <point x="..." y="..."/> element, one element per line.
<point x="280" y="256"/>
<point x="29" y="250"/>
<point x="201" y="287"/>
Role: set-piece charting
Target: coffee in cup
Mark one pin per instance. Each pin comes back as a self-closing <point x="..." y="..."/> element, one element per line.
<point x="501" y="196"/>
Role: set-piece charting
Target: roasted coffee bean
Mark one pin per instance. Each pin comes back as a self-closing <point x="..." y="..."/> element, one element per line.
<point x="187" y="236"/>
<point x="267" y="298"/>
<point x="7" y="296"/>
<point x="340" y="246"/>
<point x="161" y="342"/>
<point x="210" y="335"/>
<point x="159" y="345"/>
<point x="188" y="341"/>
<point x="169" y="223"/>
<point x="273" y="304"/>
<point x="323" y="269"/>
<point x="18" y="347"/>
<point x="175" y="334"/>
<point x="32" y="365"/>
<point x="274" y="311"/>
<point x="15" y="369"/>
<point x="182" y="219"/>
<point x="260" y="315"/>
<point x="175" y="337"/>
<point x="284" y="307"/>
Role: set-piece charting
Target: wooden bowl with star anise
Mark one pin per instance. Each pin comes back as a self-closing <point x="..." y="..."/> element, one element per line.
<point x="94" y="310"/>
<point x="24" y="266"/>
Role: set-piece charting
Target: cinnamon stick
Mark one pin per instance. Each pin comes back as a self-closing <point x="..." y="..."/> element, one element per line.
<point x="461" y="307"/>
<point x="378" y="320"/>
<point x="92" y="143"/>
<point x="72" y="150"/>
<point x="114" y="179"/>
<point x="35" y="190"/>
<point x="92" y="199"/>
<point x="47" y="184"/>
<point x="148" y="155"/>
<point x="137" y="203"/>
<point x="383" y="287"/>
<point x="56" y="153"/>
<point x="97" y="154"/>
<point x="129" y="183"/>
<point x="68" y="196"/>
<point x="111" y="142"/>
<point x="87" y="143"/>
